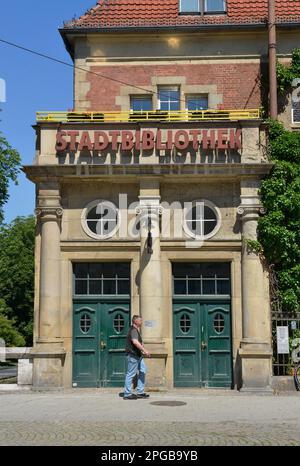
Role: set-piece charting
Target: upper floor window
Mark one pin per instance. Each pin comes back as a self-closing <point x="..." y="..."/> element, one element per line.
<point x="197" y="102"/>
<point x="189" y="6"/>
<point x="141" y="103"/>
<point x="214" y="6"/>
<point x="202" y="6"/>
<point x="169" y="98"/>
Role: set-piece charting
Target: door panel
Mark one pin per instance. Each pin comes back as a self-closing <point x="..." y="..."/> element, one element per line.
<point x="202" y="353"/>
<point x="219" y="345"/>
<point x="100" y="331"/>
<point x="85" y="338"/>
<point x="117" y="328"/>
<point x="186" y="352"/>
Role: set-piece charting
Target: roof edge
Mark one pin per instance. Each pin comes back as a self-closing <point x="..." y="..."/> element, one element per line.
<point x="65" y="31"/>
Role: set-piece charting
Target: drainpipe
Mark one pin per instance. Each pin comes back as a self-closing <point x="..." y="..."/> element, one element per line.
<point x="272" y="60"/>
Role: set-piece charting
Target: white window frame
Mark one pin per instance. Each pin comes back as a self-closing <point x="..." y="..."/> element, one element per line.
<point x="202" y="9"/>
<point x="168" y="88"/>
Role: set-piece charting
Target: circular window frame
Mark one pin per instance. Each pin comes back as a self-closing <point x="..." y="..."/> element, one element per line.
<point x="84" y="220"/>
<point x="211" y="206"/>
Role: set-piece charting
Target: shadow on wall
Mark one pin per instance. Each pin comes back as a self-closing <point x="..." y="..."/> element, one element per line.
<point x="238" y="371"/>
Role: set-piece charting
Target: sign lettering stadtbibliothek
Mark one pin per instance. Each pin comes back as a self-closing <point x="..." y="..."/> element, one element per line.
<point x="147" y="140"/>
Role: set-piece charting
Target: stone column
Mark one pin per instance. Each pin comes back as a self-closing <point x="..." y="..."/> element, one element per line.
<point x="48" y="352"/>
<point x="255" y="351"/>
<point x="150" y="283"/>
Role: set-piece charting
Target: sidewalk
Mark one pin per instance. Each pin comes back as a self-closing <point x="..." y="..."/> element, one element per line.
<point x="101" y="417"/>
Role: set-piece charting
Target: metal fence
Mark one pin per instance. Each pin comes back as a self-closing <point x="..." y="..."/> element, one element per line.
<point x="282" y="363"/>
<point x="153" y="116"/>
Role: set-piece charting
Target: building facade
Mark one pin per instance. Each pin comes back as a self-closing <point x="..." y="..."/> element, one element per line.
<point x="148" y="196"/>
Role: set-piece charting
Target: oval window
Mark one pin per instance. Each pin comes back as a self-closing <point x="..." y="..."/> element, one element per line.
<point x="219" y="323"/>
<point x="119" y="323"/>
<point x="85" y="323"/>
<point x="185" y="323"/>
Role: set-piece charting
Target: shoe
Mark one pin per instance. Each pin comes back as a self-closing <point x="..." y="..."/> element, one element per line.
<point x="143" y="395"/>
<point x="130" y="397"/>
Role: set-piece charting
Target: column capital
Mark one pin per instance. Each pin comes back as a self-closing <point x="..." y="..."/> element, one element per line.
<point x="49" y="213"/>
<point x="149" y="205"/>
<point x="152" y="210"/>
<point x="250" y="207"/>
<point x="250" y="211"/>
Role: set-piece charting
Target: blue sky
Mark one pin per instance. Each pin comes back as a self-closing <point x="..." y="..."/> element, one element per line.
<point x="32" y="83"/>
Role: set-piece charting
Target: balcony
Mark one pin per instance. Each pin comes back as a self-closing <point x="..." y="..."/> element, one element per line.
<point x="151" y="116"/>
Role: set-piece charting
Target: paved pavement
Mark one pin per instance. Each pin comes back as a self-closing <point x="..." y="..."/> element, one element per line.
<point x="102" y="418"/>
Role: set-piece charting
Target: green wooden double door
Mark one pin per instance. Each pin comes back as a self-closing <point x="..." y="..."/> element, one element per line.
<point x="99" y="336"/>
<point x="202" y="343"/>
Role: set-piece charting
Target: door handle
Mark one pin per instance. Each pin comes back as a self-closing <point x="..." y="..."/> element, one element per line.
<point x="203" y="345"/>
<point x="102" y="345"/>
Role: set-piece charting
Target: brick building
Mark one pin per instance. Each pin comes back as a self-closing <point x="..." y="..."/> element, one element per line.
<point x="148" y="193"/>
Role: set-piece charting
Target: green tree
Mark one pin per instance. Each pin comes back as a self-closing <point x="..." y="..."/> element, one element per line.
<point x="17" y="274"/>
<point x="8" y="333"/>
<point x="279" y="229"/>
<point x="9" y="168"/>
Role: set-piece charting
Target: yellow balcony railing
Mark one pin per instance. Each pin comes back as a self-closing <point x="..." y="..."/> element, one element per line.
<point x="158" y="115"/>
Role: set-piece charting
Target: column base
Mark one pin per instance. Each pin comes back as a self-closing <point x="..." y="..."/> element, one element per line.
<point x="256" y="361"/>
<point x="156" y="378"/>
<point x="48" y="360"/>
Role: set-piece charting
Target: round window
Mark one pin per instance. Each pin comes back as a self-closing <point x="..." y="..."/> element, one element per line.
<point x="100" y="219"/>
<point x="85" y="323"/>
<point x="219" y="323"/>
<point x="185" y="323"/>
<point x="119" y="323"/>
<point x="202" y="220"/>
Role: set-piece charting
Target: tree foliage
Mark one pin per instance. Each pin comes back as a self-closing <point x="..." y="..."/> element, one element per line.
<point x="17" y="274"/>
<point x="9" y="168"/>
<point x="286" y="74"/>
<point x="279" y="229"/>
<point x="8" y="332"/>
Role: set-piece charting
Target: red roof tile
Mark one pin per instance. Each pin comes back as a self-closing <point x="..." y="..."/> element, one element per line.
<point x="135" y="13"/>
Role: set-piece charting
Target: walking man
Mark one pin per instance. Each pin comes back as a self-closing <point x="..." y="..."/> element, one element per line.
<point x="135" y="351"/>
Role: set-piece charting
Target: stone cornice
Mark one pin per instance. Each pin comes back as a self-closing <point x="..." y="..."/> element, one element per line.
<point x="40" y="173"/>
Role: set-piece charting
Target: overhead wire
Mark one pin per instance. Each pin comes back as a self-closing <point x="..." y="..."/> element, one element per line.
<point x="75" y="67"/>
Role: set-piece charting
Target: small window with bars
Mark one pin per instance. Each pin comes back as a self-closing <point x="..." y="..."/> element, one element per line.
<point x="201" y="279"/>
<point x="95" y="279"/>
